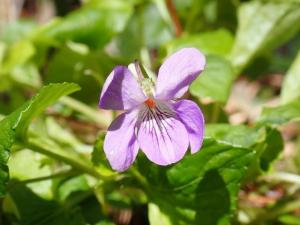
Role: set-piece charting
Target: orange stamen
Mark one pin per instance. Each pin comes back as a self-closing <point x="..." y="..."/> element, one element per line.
<point x="150" y="102"/>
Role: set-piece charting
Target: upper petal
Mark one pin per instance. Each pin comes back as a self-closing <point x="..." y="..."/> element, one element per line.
<point x="162" y="136"/>
<point x="177" y="73"/>
<point x="120" y="145"/>
<point x="121" y="91"/>
<point x="193" y="119"/>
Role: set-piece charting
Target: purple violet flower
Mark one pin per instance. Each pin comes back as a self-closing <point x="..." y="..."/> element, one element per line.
<point x="154" y="121"/>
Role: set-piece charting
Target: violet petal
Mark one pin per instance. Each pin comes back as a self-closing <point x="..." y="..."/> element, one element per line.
<point x="193" y="119"/>
<point x="162" y="136"/>
<point x="177" y="73"/>
<point x="120" y="145"/>
<point x="121" y="91"/>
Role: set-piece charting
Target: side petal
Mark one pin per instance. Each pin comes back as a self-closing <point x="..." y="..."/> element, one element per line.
<point x="178" y="72"/>
<point x="120" y="145"/>
<point x="193" y="120"/>
<point x="121" y="91"/>
<point x="162" y="137"/>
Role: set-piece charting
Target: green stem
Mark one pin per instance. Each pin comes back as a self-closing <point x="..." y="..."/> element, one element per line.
<point x="174" y="16"/>
<point x="38" y="179"/>
<point x="100" y="195"/>
<point x="139" y="177"/>
<point x="92" y="114"/>
<point x="72" y="162"/>
<point x="114" y="114"/>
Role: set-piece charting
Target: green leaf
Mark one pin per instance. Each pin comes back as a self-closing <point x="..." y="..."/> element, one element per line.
<point x="17" y="30"/>
<point x="291" y="85"/>
<point x="272" y="147"/>
<point x="217" y="42"/>
<point x="72" y="185"/>
<point x="105" y="222"/>
<point x="46" y="96"/>
<point x="267" y="148"/>
<point x="266" y="141"/>
<point x="156" y="216"/>
<point x="15" y="125"/>
<point x="281" y="114"/>
<point x="87" y="70"/>
<point x="289" y="219"/>
<point x="19" y="53"/>
<point x="263" y="26"/>
<point x="191" y="192"/>
<point x="18" y="65"/>
<point x="31" y="209"/>
<point x="20" y="169"/>
<point x="97" y="154"/>
<point x="27" y="75"/>
<point x="140" y="33"/>
<point x="215" y="81"/>
<point x="93" y="24"/>
<point x="65" y="137"/>
<point x="238" y="135"/>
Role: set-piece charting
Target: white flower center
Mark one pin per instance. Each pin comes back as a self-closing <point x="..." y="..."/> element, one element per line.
<point x="146" y="84"/>
<point x="147" y="87"/>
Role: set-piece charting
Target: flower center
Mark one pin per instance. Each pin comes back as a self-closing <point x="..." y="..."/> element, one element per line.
<point x="146" y="84"/>
<point x="147" y="87"/>
<point x="150" y="103"/>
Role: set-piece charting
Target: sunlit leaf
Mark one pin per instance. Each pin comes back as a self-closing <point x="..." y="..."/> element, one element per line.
<point x="15" y="125"/>
<point x="18" y="54"/>
<point x="289" y="219"/>
<point x="215" y="81"/>
<point x="20" y="169"/>
<point x="280" y="114"/>
<point x="18" y="67"/>
<point x="17" y="30"/>
<point x="93" y="24"/>
<point x="263" y="26"/>
<point x="72" y="185"/>
<point x="238" y="135"/>
<point x="218" y="42"/>
<point x="156" y="216"/>
<point x="291" y="86"/>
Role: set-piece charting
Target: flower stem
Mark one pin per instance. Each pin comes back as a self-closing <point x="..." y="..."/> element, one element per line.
<point x="139" y="177"/>
<point x="67" y="173"/>
<point x="172" y="10"/>
<point x="80" y="166"/>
